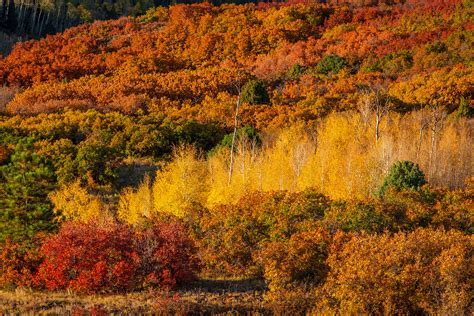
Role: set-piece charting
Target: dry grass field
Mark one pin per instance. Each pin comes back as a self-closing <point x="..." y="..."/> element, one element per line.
<point x="203" y="297"/>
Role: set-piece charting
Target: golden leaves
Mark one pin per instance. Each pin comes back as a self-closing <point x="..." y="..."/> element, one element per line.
<point x="73" y="202"/>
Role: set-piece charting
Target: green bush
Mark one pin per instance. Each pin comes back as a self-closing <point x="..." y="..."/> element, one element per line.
<point x="295" y="72"/>
<point x="464" y="110"/>
<point x="331" y="64"/>
<point x="392" y="63"/>
<point x="255" y="92"/>
<point x="246" y="132"/>
<point x="366" y="216"/>
<point x="436" y="47"/>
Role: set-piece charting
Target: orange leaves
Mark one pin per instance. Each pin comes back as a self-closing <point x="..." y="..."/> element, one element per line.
<point x="18" y="263"/>
<point x="126" y="93"/>
<point x="442" y="88"/>
<point x="396" y="273"/>
<point x="298" y="260"/>
<point x="232" y="234"/>
<point x="176" y="53"/>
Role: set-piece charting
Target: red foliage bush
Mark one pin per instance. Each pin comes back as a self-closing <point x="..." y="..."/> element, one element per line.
<point x="168" y="256"/>
<point x="89" y="258"/>
<point x="112" y="258"/>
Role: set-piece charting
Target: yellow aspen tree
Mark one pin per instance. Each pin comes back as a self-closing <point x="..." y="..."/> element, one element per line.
<point x="245" y="172"/>
<point x="136" y="205"/>
<point x="284" y="161"/>
<point x="73" y="202"/>
<point x="182" y="184"/>
<point x="218" y="171"/>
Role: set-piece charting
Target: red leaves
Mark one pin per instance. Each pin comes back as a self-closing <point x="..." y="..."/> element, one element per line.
<point x="82" y="257"/>
<point x="113" y="258"/>
<point x="167" y="255"/>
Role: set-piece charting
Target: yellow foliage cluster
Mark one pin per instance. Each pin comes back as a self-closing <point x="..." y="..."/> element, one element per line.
<point x="74" y="202"/>
<point x="340" y="158"/>
<point x="134" y="205"/>
<point x="178" y="187"/>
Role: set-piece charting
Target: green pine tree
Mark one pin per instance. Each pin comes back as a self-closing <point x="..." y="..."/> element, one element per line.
<point x="24" y="186"/>
<point x="403" y="175"/>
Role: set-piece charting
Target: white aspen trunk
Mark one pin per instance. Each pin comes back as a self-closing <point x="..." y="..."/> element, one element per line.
<point x="234" y="135"/>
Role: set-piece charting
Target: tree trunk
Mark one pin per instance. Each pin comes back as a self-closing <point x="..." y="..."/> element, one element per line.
<point x="45" y="23"/>
<point x="35" y="17"/>
<point x="3" y="14"/>
<point x="234" y="135"/>
<point x="377" y="126"/>
<point x="420" y="141"/>
<point x="11" y="16"/>
<point x="437" y="116"/>
<point x="423" y="125"/>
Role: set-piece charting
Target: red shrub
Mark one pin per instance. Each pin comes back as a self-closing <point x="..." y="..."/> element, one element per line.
<point x="89" y="258"/>
<point x="113" y="258"/>
<point x="168" y="256"/>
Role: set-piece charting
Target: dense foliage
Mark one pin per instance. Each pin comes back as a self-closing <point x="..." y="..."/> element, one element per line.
<point x="418" y="53"/>
<point x="323" y="147"/>
<point x="38" y="18"/>
<point x="105" y="257"/>
<point x="426" y="271"/>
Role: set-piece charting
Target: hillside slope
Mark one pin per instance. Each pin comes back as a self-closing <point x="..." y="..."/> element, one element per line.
<point x="311" y="57"/>
<point x="296" y="157"/>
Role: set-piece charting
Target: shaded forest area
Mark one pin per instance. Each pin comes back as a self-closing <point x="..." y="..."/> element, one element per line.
<point x="36" y="18"/>
<point x="296" y="156"/>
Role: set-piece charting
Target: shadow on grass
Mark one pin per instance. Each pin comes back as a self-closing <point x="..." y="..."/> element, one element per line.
<point x="227" y="286"/>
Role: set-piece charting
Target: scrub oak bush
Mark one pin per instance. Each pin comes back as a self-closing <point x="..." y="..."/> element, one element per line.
<point x="299" y="260"/>
<point x="19" y="262"/>
<point x="424" y="271"/>
<point x="167" y="255"/>
<point x="95" y="258"/>
<point x="232" y="233"/>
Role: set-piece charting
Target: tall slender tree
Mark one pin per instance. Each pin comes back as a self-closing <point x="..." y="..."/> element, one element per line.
<point x="11" y="22"/>
<point x="3" y="12"/>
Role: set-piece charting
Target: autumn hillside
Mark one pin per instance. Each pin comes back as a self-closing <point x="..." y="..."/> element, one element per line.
<point x="299" y="156"/>
<point x="313" y="58"/>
